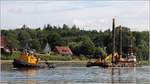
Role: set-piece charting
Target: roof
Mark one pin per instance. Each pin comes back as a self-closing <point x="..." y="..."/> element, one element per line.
<point x="63" y="50"/>
<point x="47" y="48"/>
<point x="2" y="41"/>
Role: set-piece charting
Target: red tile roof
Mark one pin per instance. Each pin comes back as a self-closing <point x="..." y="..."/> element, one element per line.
<point x="63" y="50"/>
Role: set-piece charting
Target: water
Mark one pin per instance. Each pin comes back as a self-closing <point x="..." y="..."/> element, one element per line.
<point x="74" y="74"/>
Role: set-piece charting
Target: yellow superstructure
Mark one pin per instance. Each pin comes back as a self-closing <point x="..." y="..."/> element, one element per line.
<point x="107" y="59"/>
<point x="29" y="58"/>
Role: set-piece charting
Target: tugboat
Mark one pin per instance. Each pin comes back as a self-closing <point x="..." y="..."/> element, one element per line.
<point x="27" y="59"/>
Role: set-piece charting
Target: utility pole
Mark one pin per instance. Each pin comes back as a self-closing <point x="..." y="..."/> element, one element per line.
<point x="113" y="38"/>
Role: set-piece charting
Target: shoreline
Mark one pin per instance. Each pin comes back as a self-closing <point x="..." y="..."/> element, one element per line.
<point x="71" y="61"/>
<point x="55" y="61"/>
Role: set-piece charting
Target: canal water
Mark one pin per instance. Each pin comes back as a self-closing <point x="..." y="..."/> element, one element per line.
<point x="69" y="74"/>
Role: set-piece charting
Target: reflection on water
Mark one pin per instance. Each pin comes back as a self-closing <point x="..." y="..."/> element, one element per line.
<point x="28" y="72"/>
<point x="74" y="74"/>
<point x="127" y="75"/>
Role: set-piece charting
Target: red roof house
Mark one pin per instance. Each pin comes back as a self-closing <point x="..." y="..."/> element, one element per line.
<point x="63" y="50"/>
<point x="2" y="42"/>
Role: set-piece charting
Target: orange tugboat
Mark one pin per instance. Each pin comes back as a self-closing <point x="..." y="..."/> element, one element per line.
<point x="27" y="60"/>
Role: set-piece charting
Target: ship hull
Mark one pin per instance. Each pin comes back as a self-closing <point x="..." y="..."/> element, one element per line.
<point x="22" y="64"/>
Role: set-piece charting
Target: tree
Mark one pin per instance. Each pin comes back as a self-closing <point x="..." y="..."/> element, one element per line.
<point x="12" y="40"/>
<point x="65" y="27"/>
<point x="74" y="27"/>
<point x="99" y="52"/>
<point x="35" y="44"/>
<point x="54" y="39"/>
<point x="48" y="27"/>
<point x="107" y="41"/>
<point x="42" y="37"/>
<point x="80" y="41"/>
<point x="75" y="47"/>
<point x="143" y="51"/>
<point x="99" y="41"/>
<point x="87" y="47"/>
<point x="24" y="37"/>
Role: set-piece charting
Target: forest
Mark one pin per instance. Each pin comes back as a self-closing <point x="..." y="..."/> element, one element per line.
<point x="86" y="43"/>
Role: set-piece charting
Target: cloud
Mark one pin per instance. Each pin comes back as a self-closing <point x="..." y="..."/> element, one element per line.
<point x="90" y="15"/>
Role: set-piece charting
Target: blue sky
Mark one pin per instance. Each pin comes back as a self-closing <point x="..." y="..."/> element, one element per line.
<point x="88" y="15"/>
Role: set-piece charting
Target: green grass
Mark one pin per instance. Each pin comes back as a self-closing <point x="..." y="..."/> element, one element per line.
<point x="12" y="56"/>
<point x="144" y="62"/>
<point x="60" y="57"/>
<point x="52" y="56"/>
<point x="55" y="57"/>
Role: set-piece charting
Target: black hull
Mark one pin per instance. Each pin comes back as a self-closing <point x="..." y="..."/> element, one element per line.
<point x="21" y="64"/>
<point x="90" y="64"/>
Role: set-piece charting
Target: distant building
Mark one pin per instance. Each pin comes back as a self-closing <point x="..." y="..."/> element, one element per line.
<point x="63" y="50"/>
<point x="47" y="49"/>
<point x="3" y="43"/>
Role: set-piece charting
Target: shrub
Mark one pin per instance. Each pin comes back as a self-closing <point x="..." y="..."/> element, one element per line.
<point x="55" y="57"/>
<point x="12" y="56"/>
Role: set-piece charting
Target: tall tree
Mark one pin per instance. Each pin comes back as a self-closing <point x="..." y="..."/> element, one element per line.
<point x="54" y="39"/>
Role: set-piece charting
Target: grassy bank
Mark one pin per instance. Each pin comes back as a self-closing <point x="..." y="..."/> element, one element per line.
<point x="59" y="57"/>
<point x="55" y="58"/>
<point x="7" y="56"/>
<point x="144" y="62"/>
<point x="52" y="56"/>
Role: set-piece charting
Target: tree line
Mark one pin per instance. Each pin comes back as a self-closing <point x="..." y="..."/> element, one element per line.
<point x="81" y="42"/>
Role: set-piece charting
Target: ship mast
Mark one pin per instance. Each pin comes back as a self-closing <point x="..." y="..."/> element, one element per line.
<point x="120" y="42"/>
<point x="113" y="38"/>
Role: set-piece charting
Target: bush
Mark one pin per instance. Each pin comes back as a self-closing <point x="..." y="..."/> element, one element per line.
<point x="82" y="57"/>
<point x="12" y="56"/>
<point x="144" y="62"/>
<point x="55" y="57"/>
<point x="47" y="56"/>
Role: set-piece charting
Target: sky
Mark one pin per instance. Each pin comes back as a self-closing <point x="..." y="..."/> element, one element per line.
<point x="88" y="15"/>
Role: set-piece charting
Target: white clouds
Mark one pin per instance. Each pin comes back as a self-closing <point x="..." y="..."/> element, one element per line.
<point x="135" y="17"/>
<point x="90" y="14"/>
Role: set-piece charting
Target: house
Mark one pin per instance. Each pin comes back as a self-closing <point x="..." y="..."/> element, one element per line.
<point x="3" y="43"/>
<point x="63" y="50"/>
<point x="47" y="49"/>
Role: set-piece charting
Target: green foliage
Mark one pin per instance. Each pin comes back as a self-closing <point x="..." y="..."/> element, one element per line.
<point x="87" y="47"/>
<point x="99" y="52"/>
<point x="54" y="39"/>
<point x="12" y="56"/>
<point x="82" y="57"/>
<point x="75" y="47"/>
<point x="35" y="44"/>
<point x="81" y="42"/>
<point x="55" y="57"/>
<point x="143" y="51"/>
<point x="12" y="40"/>
<point x="99" y="40"/>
